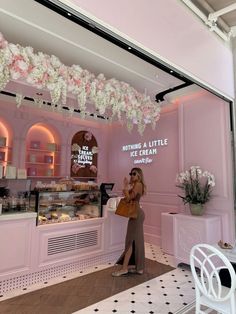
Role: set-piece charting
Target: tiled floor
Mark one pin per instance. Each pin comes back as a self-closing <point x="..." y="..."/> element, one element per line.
<point x="167" y="294"/>
<point x="170" y="293"/>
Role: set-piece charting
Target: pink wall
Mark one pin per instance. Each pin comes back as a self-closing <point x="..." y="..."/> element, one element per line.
<point x="159" y="175"/>
<point x="171" y="31"/>
<point x="198" y="133"/>
<point x="205" y="140"/>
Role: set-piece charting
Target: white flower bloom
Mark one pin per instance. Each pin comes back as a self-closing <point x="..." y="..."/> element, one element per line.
<point x="15" y="75"/>
<point x="94" y="149"/>
<point x="22" y="65"/>
<point x="48" y="72"/>
<point x="14" y="49"/>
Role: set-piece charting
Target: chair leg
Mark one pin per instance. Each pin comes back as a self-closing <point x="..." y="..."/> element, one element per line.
<point x="198" y="308"/>
<point x="197" y="305"/>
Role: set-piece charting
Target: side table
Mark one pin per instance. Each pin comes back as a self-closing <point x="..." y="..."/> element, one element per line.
<point x="190" y="230"/>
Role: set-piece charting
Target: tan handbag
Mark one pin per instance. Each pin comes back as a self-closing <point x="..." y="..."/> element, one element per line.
<point x="127" y="208"/>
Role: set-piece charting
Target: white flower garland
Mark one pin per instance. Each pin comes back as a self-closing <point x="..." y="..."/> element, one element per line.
<point x="47" y="72"/>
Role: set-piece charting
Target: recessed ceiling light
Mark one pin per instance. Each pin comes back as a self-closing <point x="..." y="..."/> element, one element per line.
<point x="39" y="94"/>
<point x="129" y="48"/>
<point x="171" y="71"/>
<point x="68" y="13"/>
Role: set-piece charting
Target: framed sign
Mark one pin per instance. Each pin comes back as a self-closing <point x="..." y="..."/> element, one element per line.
<point x="84" y="152"/>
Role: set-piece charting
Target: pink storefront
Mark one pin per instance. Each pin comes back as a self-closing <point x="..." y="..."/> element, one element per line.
<point x="195" y="128"/>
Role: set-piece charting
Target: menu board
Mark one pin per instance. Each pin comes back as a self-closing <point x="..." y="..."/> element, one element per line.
<point x="84" y="153"/>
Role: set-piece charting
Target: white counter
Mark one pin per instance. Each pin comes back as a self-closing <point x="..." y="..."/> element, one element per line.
<point x="31" y="253"/>
<point x="16" y="216"/>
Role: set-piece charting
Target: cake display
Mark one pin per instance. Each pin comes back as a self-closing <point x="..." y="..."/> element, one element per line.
<point x="63" y="206"/>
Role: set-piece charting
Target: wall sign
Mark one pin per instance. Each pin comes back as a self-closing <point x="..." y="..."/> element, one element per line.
<point x="143" y="152"/>
<point x="84" y="152"/>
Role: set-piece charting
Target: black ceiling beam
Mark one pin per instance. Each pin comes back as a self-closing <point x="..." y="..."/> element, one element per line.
<point x="104" y="34"/>
<point x="48" y="103"/>
<point x="160" y="96"/>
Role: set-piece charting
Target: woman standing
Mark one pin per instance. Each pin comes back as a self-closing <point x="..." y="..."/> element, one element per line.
<point x="132" y="259"/>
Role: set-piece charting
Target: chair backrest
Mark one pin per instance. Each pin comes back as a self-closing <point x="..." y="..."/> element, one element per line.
<point x="206" y="262"/>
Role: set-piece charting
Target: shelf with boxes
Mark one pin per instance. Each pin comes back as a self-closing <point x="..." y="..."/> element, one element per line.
<point x="5" y="154"/>
<point x="42" y="153"/>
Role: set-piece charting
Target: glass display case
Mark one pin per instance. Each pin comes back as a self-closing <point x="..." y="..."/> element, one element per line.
<point x="14" y="195"/>
<point x="56" y="207"/>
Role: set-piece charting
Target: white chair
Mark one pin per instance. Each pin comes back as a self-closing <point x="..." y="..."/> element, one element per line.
<point x="206" y="262"/>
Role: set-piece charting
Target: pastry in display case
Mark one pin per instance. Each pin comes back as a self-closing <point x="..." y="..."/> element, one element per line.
<point x="56" y="207"/>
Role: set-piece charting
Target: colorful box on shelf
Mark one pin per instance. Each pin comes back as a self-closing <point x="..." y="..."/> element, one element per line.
<point x="3" y="141"/>
<point x="2" y="156"/>
<point x="31" y="172"/>
<point x="48" y="159"/>
<point x="32" y="158"/>
<point x="10" y="172"/>
<point x="35" y="144"/>
<point x="49" y="172"/>
<point x="21" y="174"/>
<point x="52" y="147"/>
<point x="1" y="171"/>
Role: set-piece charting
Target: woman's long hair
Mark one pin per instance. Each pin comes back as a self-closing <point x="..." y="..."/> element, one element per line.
<point x="141" y="177"/>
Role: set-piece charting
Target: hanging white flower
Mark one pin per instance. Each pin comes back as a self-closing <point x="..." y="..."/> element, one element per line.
<point x="94" y="149"/>
<point x="75" y="147"/>
<point x="44" y="71"/>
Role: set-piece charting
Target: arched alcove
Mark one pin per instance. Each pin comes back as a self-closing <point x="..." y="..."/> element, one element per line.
<point x="5" y="146"/>
<point x="84" y="152"/>
<point x="42" y="151"/>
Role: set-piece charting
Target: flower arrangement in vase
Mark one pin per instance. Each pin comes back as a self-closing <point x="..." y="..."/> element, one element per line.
<point x="197" y="186"/>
